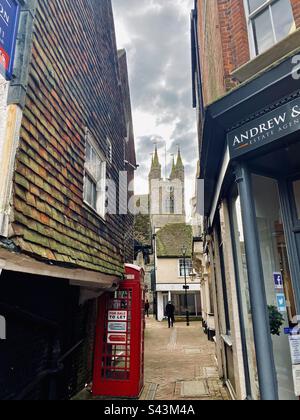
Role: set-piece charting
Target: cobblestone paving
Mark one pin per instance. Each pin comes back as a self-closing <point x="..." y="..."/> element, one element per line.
<point x="180" y="364"/>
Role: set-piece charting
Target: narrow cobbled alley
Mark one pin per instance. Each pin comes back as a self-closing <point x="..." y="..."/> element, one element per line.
<point x="180" y="364"/>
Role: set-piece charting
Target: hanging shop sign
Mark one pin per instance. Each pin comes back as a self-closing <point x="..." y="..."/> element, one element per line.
<point x="274" y="125"/>
<point x="9" y="21"/>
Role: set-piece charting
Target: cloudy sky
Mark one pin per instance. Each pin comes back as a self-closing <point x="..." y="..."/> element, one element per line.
<point x="156" y="35"/>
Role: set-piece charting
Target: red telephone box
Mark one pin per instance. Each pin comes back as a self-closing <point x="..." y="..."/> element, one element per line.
<point x="119" y="352"/>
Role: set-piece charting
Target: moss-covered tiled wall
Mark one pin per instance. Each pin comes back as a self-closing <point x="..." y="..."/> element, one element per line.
<point x="73" y="85"/>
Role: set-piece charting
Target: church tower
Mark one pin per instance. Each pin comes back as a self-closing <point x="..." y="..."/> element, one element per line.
<point x="163" y="193"/>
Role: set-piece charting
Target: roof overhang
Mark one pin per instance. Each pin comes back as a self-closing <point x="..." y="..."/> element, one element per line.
<point x="242" y="104"/>
<point x="12" y="261"/>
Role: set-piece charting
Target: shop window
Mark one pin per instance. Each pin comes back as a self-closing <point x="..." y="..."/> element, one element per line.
<point x="179" y="302"/>
<point x="274" y="255"/>
<point x="185" y="267"/>
<point x="270" y="21"/>
<point x="296" y="189"/>
<point x="223" y="277"/>
<point x="95" y="177"/>
<point x="242" y="279"/>
<point x="230" y="365"/>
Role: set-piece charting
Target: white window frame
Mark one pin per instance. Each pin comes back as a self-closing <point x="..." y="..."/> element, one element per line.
<point x="100" y="183"/>
<point x="180" y="262"/>
<point x="250" y="17"/>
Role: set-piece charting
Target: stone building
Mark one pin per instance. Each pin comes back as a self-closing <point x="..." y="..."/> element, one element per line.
<point x="166" y="196"/>
<point x="245" y="57"/>
<point x="163" y="215"/>
<point x="66" y="134"/>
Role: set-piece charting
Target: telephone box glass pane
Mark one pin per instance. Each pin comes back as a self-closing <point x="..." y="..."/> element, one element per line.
<point x="117" y="352"/>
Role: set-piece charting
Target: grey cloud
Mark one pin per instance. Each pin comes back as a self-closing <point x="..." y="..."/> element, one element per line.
<point x="145" y="148"/>
<point x="160" y="73"/>
<point x="158" y="55"/>
<point x="188" y="146"/>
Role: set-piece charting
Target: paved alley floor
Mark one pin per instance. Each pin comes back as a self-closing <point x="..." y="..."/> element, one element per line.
<point x="180" y="364"/>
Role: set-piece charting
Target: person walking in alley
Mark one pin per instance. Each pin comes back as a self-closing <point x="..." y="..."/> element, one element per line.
<point x="170" y="313"/>
<point x="147" y="307"/>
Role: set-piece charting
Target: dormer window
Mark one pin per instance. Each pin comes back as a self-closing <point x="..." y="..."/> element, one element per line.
<point x="270" y="21"/>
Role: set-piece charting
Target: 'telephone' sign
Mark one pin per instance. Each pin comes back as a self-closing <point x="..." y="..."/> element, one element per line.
<point x="9" y="20"/>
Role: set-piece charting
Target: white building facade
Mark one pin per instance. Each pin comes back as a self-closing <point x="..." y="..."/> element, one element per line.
<point x="174" y="271"/>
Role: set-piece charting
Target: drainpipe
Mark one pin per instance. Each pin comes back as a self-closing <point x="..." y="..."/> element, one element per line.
<point x="15" y="102"/>
<point x="18" y="86"/>
<point x="262" y="335"/>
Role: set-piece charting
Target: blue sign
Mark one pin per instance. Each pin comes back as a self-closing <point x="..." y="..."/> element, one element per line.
<point x="281" y="302"/>
<point x="9" y="21"/>
<point x="278" y="280"/>
<point x="292" y="331"/>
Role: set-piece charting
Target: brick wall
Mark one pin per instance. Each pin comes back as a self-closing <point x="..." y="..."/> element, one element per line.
<point x="296" y="10"/>
<point x="224" y="43"/>
<point x="73" y="84"/>
<point x="234" y="35"/>
<point x="210" y="42"/>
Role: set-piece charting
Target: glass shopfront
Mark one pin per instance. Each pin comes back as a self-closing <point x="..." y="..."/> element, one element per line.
<point x="273" y="248"/>
<point x="276" y="197"/>
<point x="296" y="192"/>
<point x="242" y="278"/>
<point x="193" y="300"/>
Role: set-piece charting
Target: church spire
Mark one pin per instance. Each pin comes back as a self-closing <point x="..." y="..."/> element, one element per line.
<point x="173" y="171"/>
<point x="155" y="162"/>
<point x="179" y="164"/>
<point x="179" y="167"/>
<point x="155" y="171"/>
